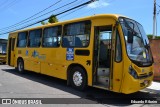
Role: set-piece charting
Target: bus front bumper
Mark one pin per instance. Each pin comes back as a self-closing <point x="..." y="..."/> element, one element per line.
<point x="2" y="59"/>
<point x="135" y="85"/>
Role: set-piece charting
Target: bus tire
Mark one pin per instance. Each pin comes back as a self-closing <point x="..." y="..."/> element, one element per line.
<point x="20" y="66"/>
<point x="78" y="78"/>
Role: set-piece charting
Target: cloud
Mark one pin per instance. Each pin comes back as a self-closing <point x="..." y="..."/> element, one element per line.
<point x="98" y="4"/>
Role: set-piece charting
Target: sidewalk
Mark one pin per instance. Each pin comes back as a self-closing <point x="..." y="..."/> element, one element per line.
<point x="154" y="86"/>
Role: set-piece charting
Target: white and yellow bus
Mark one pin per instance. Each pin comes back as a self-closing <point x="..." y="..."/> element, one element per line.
<point x="106" y="51"/>
<point x="3" y="48"/>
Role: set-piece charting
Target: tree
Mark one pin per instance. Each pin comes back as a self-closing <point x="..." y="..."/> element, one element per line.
<point x="150" y="36"/>
<point x="43" y="23"/>
<point x="52" y="19"/>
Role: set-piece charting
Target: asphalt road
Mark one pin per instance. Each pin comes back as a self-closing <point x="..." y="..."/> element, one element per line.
<point x="33" y="85"/>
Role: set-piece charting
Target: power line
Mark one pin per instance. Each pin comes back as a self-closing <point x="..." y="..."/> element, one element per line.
<point x="10" y="4"/>
<point x="85" y="12"/>
<point x="75" y="11"/>
<point x="158" y="10"/>
<point x="83" y="4"/>
<point x="71" y="12"/>
<point x="157" y="5"/>
<point x="26" y="21"/>
<point x="31" y="16"/>
<point x="3" y="3"/>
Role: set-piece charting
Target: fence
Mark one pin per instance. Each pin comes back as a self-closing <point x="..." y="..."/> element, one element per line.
<point x="155" y="48"/>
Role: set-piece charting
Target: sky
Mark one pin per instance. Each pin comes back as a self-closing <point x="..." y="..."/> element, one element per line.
<point x="14" y="11"/>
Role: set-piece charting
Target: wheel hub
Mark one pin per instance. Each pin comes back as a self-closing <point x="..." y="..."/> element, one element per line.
<point x="77" y="78"/>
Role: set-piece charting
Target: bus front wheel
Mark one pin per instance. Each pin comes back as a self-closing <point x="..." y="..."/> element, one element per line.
<point x="20" y="66"/>
<point x="78" y="78"/>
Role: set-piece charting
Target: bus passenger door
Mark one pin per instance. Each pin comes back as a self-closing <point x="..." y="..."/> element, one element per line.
<point x="117" y="62"/>
<point x="102" y="56"/>
<point x="11" y="52"/>
<point x="107" y="58"/>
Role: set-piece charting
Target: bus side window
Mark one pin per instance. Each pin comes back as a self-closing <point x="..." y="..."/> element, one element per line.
<point x="22" y="39"/>
<point x="76" y="34"/>
<point x="51" y="36"/>
<point x="34" y="39"/>
<point x="65" y="42"/>
<point x="78" y="42"/>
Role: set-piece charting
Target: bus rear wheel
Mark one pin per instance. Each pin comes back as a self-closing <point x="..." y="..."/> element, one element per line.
<point x="78" y="78"/>
<point x="20" y="66"/>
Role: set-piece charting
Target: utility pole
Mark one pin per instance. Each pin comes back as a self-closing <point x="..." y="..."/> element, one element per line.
<point x="154" y="20"/>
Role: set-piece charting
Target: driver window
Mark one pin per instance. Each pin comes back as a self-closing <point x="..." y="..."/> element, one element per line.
<point x="118" y="55"/>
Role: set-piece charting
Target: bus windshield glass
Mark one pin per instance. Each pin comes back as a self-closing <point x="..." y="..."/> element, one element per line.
<point x="137" y="43"/>
<point x="3" y="48"/>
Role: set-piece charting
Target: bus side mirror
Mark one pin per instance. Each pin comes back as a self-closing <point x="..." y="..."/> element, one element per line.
<point x="130" y="37"/>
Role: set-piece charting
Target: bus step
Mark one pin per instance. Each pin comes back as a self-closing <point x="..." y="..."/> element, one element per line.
<point x="103" y="80"/>
<point x="103" y="72"/>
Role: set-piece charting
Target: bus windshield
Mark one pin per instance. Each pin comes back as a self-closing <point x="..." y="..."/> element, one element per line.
<point x="3" y="48"/>
<point x="138" y="48"/>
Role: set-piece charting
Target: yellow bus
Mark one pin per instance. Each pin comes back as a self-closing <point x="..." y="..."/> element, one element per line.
<point x="3" y="47"/>
<point x="106" y="51"/>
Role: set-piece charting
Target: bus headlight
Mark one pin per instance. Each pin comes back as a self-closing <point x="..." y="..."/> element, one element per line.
<point x="133" y="72"/>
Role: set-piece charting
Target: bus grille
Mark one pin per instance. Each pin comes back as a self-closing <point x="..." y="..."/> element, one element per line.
<point x="142" y="76"/>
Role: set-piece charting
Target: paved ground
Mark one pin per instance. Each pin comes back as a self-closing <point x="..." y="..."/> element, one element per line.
<point x="33" y="85"/>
